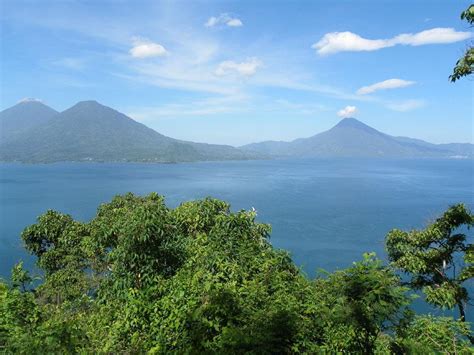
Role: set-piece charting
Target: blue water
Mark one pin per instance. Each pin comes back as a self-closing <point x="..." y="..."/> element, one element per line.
<point x="325" y="212"/>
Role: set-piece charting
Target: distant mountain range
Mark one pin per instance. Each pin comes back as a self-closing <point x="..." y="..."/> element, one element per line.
<point x="89" y="131"/>
<point x="352" y="138"/>
<point x="33" y="132"/>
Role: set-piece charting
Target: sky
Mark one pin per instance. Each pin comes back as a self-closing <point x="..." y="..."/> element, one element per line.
<point x="236" y="72"/>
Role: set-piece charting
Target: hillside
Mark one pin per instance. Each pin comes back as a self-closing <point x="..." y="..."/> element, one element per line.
<point x="352" y="138"/>
<point x="25" y="115"/>
<point x="89" y="131"/>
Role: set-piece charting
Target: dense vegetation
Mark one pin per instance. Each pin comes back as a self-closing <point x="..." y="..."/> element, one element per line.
<point x="465" y="64"/>
<point x="141" y="277"/>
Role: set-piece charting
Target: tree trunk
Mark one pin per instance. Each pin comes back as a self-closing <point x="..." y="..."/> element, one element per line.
<point x="462" y="314"/>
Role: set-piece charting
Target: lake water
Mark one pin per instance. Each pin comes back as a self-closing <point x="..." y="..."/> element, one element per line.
<point x="325" y="212"/>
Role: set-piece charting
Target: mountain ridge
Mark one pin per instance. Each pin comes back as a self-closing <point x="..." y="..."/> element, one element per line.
<point x="90" y="131"/>
<point x="23" y="116"/>
<point x="353" y="138"/>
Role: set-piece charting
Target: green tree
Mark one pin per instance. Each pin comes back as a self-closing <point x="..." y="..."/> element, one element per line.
<point x="20" y="277"/>
<point x="465" y="65"/>
<point x="144" y="278"/>
<point x="433" y="335"/>
<point x="363" y="302"/>
<point x="439" y="259"/>
<point x="138" y="239"/>
<point x="57" y="240"/>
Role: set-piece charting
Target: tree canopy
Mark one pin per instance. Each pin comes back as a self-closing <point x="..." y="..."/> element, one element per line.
<point x="439" y="259"/>
<point x="465" y="64"/>
<point x="141" y="277"/>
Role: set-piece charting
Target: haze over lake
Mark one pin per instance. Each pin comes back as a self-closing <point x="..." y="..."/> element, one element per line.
<point x="325" y="212"/>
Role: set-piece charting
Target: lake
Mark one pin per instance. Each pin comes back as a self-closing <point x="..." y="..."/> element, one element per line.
<point x="325" y="212"/>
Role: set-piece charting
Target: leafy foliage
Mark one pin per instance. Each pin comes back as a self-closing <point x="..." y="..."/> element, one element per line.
<point x="428" y="334"/>
<point x="438" y="258"/>
<point x="362" y="302"/>
<point x="465" y="65"/>
<point x="141" y="277"/>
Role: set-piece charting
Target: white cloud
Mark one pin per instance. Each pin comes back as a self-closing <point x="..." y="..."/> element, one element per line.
<point x="346" y="42"/>
<point x="384" y="85"/>
<point x="347" y="111"/>
<point x="30" y="99"/>
<point x="433" y="36"/>
<point x="211" y="22"/>
<point x="145" y="49"/>
<point x="335" y="42"/>
<point x="247" y="68"/>
<point x="195" y="54"/>
<point x="191" y="67"/>
<point x="235" y="22"/>
<point x="223" y="19"/>
<point x="406" y="105"/>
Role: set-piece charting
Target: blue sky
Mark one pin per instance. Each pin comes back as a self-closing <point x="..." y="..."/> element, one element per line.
<point x="237" y="72"/>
